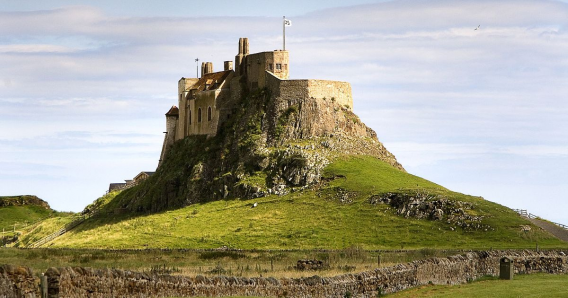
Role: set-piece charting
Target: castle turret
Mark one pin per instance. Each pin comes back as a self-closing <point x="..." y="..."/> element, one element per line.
<point x="171" y="124"/>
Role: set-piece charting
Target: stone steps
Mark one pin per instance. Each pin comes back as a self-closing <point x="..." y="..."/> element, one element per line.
<point x="553" y="229"/>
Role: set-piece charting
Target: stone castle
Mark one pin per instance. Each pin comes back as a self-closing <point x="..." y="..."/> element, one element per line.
<point x="204" y="103"/>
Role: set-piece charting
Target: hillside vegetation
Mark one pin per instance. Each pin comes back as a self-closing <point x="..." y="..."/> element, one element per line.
<point x="336" y="214"/>
<point x="19" y="211"/>
<point x="275" y="177"/>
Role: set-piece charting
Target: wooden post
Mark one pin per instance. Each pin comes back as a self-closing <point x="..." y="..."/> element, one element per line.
<point x="43" y="285"/>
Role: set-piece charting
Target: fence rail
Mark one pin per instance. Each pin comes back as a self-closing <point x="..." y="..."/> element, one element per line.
<point x="525" y="213"/>
<point x="79" y="220"/>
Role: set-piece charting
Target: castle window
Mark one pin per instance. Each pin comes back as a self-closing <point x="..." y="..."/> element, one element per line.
<point x="278" y="66"/>
<point x="199" y="115"/>
<point x="209" y="114"/>
<point x="189" y="117"/>
<point x="270" y="67"/>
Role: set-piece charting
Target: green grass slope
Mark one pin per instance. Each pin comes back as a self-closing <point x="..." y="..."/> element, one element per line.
<point x="18" y="212"/>
<point x="333" y="215"/>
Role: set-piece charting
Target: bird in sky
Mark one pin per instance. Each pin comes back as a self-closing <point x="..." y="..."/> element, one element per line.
<point x="477" y="27"/>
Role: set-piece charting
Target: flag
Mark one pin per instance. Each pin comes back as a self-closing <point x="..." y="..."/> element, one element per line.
<point x="287" y="22"/>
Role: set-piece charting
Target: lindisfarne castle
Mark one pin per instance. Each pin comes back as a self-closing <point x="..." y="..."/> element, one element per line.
<point x="253" y="117"/>
<point x="205" y="103"/>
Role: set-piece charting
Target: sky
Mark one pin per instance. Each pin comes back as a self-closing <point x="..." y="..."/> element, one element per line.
<point x="84" y="86"/>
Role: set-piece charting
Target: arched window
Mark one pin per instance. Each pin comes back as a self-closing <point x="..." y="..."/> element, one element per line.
<point x="199" y="115"/>
<point x="209" y="114"/>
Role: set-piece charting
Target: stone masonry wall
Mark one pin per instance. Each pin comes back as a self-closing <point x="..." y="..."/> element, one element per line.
<point x="339" y="92"/>
<point x="17" y="282"/>
<point x="83" y="282"/>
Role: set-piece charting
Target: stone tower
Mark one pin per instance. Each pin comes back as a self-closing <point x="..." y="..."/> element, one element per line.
<point x="171" y="124"/>
<point x="240" y="57"/>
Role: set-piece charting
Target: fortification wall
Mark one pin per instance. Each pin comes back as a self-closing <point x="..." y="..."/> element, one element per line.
<point x="322" y="108"/>
<point x="339" y="92"/>
<point x="80" y="282"/>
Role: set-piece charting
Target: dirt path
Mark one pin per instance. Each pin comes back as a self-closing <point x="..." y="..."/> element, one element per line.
<point x="553" y="229"/>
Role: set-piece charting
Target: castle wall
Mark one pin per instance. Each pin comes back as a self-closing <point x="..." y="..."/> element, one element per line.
<point x="204" y="101"/>
<point x="276" y="62"/>
<point x="327" y="101"/>
<point x="339" y="92"/>
<point x="184" y="85"/>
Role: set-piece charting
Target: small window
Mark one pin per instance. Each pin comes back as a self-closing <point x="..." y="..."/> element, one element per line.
<point x="278" y="66"/>
<point x="209" y="114"/>
<point x="189" y="120"/>
<point x="285" y="66"/>
<point x="199" y="115"/>
<point x="270" y="67"/>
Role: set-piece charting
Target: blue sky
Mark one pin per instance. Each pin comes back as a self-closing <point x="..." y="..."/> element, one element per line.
<point x="84" y="86"/>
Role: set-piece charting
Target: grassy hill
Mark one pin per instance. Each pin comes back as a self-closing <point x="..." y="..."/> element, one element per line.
<point x="19" y="211"/>
<point x="277" y="176"/>
<point x="338" y="213"/>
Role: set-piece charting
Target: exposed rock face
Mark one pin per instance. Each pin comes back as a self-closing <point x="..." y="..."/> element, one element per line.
<point x="273" y="143"/>
<point x="24" y="200"/>
<point x="434" y="207"/>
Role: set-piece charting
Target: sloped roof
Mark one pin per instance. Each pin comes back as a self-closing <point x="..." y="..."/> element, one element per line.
<point x="209" y="80"/>
<point x="174" y="111"/>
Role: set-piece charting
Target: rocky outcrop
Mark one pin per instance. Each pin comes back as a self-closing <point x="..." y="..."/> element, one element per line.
<point x="310" y="265"/>
<point x="273" y="143"/>
<point x="423" y="205"/>
<point x="25" y="200"/>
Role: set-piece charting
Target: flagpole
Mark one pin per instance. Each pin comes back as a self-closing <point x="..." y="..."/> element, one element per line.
<point x="284" y="33"/>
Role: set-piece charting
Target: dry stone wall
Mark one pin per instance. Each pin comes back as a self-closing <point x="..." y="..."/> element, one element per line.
<point x="17" y="282"/>
<point x="83" y="282"/>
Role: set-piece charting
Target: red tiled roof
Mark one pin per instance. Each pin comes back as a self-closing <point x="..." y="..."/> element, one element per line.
<point x="209" y="80"/>
<point x="174" y="111"/>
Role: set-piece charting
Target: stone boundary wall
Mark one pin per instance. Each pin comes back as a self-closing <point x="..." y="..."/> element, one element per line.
<point x="83" y="282"/>
<point x="17" y="282"/>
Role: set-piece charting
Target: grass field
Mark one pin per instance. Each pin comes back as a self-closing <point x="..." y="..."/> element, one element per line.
<point x="311" y="219"/>
<point x="534" y="285"/>
<point x="232" y="263"/>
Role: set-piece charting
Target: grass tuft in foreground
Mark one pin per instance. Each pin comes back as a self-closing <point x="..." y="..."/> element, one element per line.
<point x="534" y="285"/>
